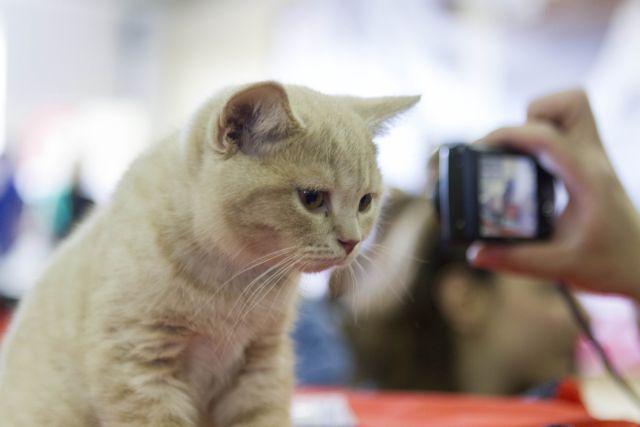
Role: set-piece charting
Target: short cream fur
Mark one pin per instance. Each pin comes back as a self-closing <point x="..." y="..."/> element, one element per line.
<point x="172" y="304"/>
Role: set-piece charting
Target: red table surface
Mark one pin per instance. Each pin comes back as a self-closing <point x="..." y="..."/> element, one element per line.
<point x="375" y="409"/>
<point x="5" y="317"/>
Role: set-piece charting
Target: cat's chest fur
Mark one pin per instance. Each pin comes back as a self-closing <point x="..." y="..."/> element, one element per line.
<point x="216" y="353"/>
<point x="210" y="363"/>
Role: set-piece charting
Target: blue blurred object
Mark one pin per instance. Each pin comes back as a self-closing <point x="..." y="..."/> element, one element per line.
<point x="10" y="207"/>
<point x="544" y="391"/>
<point x="322" y="354"/>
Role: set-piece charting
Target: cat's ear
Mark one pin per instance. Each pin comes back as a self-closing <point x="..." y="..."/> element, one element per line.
<point x="378" y="112"/>
<point x="255" y="118"/>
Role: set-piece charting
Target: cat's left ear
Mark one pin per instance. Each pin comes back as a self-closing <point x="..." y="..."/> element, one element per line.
<point x="255" y="118"/>
<point x="379" y="112"/>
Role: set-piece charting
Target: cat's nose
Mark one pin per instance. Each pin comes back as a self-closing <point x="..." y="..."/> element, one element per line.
<point x="348" y="245"/>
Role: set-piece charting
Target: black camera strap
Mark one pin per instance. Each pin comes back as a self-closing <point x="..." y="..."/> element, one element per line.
<point x="585" y="327"/>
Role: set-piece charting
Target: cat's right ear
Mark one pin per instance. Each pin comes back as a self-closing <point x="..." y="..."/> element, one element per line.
<point x="254" y="119"/>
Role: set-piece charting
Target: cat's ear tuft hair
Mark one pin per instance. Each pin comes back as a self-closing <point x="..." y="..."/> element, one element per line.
<point x="254" y="118"/>
<point x="378" y="112"/>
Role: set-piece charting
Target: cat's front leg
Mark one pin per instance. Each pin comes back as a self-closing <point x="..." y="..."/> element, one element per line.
<point x="261" y="394"/>
<point x="135" y="378"/>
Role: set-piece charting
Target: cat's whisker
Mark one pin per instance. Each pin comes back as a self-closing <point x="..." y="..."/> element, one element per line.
<point x="353" y="277"/>
<point x="263" y="288"/>
<point x="388" y="252"/>
<point x="357" y="264"/>
<point x="382" y="250"/>
<point x="360" y="290"/>
<point x="276" y="299"/>
<point x="247" y="301"/>
<point x="248" y="292"/>
<point x="353" y="291"/>
<point x="395" y="292"/>
<point x="283" y="274"/>
<point x="260" y="261"/>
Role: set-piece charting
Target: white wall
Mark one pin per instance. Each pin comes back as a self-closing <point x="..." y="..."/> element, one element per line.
<point x="212" y="44"/>
<point x="58" y="52"/>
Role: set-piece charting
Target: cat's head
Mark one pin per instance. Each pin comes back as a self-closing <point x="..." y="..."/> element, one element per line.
<point x="287" y="173"/>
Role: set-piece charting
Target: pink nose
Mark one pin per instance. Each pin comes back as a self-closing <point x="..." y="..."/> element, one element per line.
<point x="348" y="245"/>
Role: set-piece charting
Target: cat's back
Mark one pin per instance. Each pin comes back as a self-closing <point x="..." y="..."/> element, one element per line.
<point x="42" y="355"/>
<point x="102" y="249"/>
<point x="43" y="335"/>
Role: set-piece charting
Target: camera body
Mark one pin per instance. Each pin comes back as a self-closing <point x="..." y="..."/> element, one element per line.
<point x="493" y="194"/>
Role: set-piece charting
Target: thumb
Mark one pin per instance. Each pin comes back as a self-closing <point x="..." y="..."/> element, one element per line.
<point x="536" y="259"/>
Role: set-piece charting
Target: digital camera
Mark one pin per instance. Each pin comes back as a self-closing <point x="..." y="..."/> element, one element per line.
<point x="493" y="194"/>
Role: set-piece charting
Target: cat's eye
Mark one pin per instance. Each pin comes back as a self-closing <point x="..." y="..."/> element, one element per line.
<point x="312" y="199"/>
<point x="365" y="202"/>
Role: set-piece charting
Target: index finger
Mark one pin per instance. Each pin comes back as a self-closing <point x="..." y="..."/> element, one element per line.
<point x="563" y="109"/>
<point x="543" y="141"/>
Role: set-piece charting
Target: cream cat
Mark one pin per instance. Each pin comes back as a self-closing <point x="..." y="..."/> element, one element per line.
<point x="172" y="305"/>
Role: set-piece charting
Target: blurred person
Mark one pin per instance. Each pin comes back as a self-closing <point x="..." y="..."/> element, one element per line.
<point x="11" y="209"/>
<point x="10" y="205"/>
<point x="72" y="206"/>
<point x="420" y="318"/>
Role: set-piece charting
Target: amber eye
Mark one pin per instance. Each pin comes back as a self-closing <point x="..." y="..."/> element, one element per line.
<point x="312" y="199"/>
<point x="365" y="202"/>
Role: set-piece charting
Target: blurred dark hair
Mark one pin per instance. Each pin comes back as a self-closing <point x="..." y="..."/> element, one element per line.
<point x="434" y="339"/>
<point x="411" y="347"/>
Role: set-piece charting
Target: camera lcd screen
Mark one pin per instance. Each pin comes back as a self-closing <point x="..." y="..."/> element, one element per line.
<point x="507" y="192"/>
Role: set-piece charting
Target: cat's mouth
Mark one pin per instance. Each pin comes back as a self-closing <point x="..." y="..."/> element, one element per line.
<point x="324" y="264"/>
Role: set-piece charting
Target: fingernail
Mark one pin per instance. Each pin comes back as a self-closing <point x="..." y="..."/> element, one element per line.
<point x="472" y="252"/>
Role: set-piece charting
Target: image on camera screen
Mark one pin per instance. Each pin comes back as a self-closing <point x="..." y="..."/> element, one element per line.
<point x="507" y="196"/>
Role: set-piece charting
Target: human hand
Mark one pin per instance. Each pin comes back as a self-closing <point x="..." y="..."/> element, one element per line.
<point x="596" y="242"/>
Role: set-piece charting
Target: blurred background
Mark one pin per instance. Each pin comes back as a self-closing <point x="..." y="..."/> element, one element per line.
<point x="86" y="85"/>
